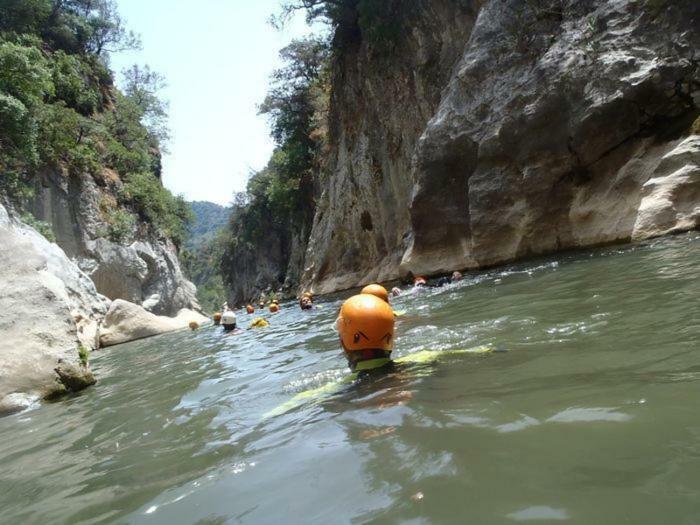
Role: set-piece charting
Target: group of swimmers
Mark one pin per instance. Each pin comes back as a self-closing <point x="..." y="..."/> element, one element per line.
<point x="365" y="322"/>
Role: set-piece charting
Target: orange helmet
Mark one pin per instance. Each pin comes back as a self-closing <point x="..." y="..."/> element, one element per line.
<point x="366" y="322"/>
<point x="217" y="317"/>
<point x="377" y="290"/>
<point x="250" y="309"/>
<point x="308" y="294"/>
<point x="274" y="307"/>
<point x="419" y="281"/>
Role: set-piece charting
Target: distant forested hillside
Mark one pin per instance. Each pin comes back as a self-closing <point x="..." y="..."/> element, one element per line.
<point x="209" y="218"/>
<point x="203" y="251"/>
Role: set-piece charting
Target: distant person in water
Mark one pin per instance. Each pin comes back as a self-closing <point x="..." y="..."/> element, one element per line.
<point x="377" y="290"/>
<point x="366" y="328"/>
<point x="395" y="291"/>
<point x="455" y="277"/>
<point x="419" y="282"/>
<point x="306" y="301"/>
<point x="228" y="320"/>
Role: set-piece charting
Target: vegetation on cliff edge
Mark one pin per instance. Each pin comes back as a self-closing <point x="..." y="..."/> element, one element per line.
<point x="279" y="200"/>
<point x="60" y="110"/>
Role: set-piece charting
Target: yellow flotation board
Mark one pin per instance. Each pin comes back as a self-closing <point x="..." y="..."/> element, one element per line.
<point x="317" y="395"/>
<point x="258" y="322"/>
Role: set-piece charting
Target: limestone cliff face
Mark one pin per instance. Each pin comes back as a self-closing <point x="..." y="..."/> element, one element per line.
<point x="272" y="265"/>
<point x="575" y="136"/>
<point x="143" y="270"/>
<point x="381" y="102"/>
<point x="502" y="129"/>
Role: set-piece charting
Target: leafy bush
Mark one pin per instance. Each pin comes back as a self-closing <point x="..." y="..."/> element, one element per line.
<point x="75" y="84"/>
<point x="120" y="225"/>
<point x="59" y="109"/>
<point x="44" y="228"/>
<point x="15" y="185"/>
<point x="168" y="213"/>
<point x="83" y="355"/>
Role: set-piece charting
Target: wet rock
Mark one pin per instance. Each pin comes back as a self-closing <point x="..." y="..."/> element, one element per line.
<point x="126" y="321"/>
<point x="74" y="377"/>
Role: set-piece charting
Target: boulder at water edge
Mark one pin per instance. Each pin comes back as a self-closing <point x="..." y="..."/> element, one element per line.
<point x="48" y="308"/>
<point x="127" y="321"/>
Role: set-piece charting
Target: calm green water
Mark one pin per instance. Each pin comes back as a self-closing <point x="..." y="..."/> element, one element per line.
<point x="590" y="415"/>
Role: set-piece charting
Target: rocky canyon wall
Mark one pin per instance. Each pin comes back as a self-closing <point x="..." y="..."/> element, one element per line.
<point x="143" y="269"/>
<point x="503" y="129"/>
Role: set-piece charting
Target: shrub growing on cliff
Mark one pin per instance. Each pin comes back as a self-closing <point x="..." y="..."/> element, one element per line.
<point x="83" y="355"/>
<point x="120" y="225"/>
<point x="44" y="228"/>
<point x="168" y="213"/>
<point x="378" y="22"/>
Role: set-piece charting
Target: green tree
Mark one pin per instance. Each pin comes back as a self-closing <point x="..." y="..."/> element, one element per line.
<point x="141" y="86"/>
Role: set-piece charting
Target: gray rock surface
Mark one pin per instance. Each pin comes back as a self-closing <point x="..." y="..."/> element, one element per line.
<point x="506" y="129"/>
<point x="560" y="128"/>
<point x="381" y="103"/>
<point x="48" y="307"/>
<point x="126" y="321"/>
<point x="136" y="269"/>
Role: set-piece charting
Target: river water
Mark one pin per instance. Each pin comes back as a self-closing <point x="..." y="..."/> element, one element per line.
<point x="587" y="413"/>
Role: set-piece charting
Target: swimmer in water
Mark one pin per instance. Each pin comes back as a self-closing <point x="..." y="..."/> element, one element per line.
<point x="377" y="290"/>
<point x="419" y="282"/>
<point x="395" y="291"/>
<point x="366" y="328"/>
<point x="228" y="320"/>
<point x="306" y="301"/>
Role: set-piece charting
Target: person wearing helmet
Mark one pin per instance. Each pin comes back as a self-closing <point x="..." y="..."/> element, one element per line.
<point x="419" y="282"/>
<point x="250" y="309"/>
<point x="217" y="318"/>
<point x="377" y="290"/>
<point x="366" y="328"/>
<point x="456" y="276"/>
<point x="274" y="307"/>
<point x="395" y="291"/>
<point x="228" y="320"/>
